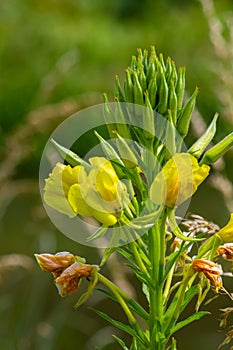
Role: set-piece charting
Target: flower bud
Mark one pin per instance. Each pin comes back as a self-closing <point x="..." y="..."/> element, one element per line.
<point x="217" y="151"/>
<point x="184" y="119"/>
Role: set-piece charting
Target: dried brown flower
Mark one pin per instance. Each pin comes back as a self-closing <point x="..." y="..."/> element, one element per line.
<point x="53" y="263"/>
<point x="68" y="281"/>
<point x="211" y="270"/>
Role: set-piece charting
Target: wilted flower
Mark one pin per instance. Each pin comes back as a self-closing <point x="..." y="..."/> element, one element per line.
<point x="69" y="279"/>
<point x="178" y="180"/>
<point x="226" y="233"/>
<point x="97" y="193"/>
<point x="51" y="263"/>
<point x="211" y="270"/>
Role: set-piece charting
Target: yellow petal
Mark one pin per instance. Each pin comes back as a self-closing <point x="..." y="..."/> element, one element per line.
<point x="178" y="180"/>
<point x="55" y="190"/>
<point x="77" y="202"/>
<point x="226" y="233"/>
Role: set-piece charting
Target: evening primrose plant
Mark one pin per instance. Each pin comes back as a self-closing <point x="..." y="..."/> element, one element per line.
<point x="132" y="194"/>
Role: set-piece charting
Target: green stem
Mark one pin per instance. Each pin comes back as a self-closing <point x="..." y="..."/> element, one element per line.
<point x="157" y="249"/>
<point x="138" y="257"/>
<point x="120" y="296"/>
<point x="168" y="283"/>
<point x="187" y="281"/>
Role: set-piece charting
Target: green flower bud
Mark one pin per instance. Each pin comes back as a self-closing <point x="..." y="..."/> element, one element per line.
<point x="128" y="87"/>
<point x="128" y="157"/>
<point x="118" y="91"/>
<point x="141" y="76"/>
<point x="163" y="95"/>
<point x="148" y="118"/>
<point x="180" y="87"/>
<point x="152" y="89"/>
<point x="121" y="125"/>
<point x="200" y="145"/>
<point x="184" y="119"/>
<point x="214" y="153"/>
<point x="108" y="115"/>
<point x="172" y="101"/>
<point x="138" y="92"/>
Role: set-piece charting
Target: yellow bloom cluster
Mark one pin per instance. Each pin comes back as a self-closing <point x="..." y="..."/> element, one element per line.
<point x="97" y="193"/>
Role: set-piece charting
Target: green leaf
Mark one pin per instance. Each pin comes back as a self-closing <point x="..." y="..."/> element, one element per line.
<point x="127" y="329"/>
<point x="71" y="157"/>
<point x="107" y="253"/>
<point x="90" y="289"/>
<point x="127" y="255"/>
<point x="101" y="231"/>
<point x="120" y="342"/>
<point x="191" y="292"/>
<point x="133" y="305"/>
<point x="190" y="319"/>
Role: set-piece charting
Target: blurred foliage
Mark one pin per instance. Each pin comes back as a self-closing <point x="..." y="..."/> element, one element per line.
<point x="57" y="57"/>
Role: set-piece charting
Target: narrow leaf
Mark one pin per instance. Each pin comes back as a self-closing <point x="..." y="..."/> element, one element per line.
<point x="120" y="342"/>
<point x="190" y="319"/>
<point x="115" y="323"/>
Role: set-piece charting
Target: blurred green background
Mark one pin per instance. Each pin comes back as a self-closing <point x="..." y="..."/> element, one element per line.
<point x="56" y="58"/>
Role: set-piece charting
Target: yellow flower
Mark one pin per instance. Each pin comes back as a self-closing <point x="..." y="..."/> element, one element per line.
<point x="178" y="180"/>
<point x="226" y="233"/>
<point x="73" y="191"/>
<point x="57" y="187"/>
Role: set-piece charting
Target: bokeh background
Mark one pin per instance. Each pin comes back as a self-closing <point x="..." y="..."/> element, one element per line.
<point x="56" y="58"/>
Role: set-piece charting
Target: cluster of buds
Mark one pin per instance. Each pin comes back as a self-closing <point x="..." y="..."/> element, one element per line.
<point x="67" y="270"/>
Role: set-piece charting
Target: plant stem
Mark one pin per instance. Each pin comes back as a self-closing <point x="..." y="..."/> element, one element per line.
<point x="119" y="294"/>
<point x="115" y="290"/>
<point x="157" y="256"/>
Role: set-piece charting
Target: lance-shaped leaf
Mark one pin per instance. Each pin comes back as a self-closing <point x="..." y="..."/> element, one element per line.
<point x="71" y="157"/>
<point x="189" y="320"/>
<point x="200" y="145"/>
